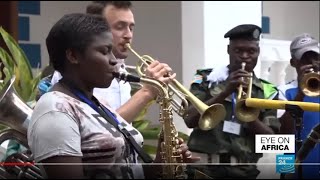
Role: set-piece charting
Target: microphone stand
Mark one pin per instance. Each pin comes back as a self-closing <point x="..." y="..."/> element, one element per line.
<point x="296" y="113"/>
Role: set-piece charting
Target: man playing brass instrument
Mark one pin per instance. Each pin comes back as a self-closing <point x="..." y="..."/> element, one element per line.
<point x="304" y="56"/>
<point x="231" y="141"/>
<point x="121" y="19"/>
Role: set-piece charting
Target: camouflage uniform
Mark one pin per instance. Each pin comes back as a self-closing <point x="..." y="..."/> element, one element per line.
<point x="216" y="141"/>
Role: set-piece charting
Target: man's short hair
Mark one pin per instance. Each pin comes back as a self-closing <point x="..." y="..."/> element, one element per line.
<point x="249" y="32"/>
<point x="302" y="44"/>
<point x="97" y="7"/>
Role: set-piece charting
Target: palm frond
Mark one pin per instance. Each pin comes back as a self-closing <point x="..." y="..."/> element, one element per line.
<point x="22" y="65"/>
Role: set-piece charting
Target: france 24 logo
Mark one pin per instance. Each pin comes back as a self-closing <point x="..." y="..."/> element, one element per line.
<point x="285" y="163"/>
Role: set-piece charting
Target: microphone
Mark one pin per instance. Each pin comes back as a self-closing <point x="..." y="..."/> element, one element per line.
<point x="126" y="77"/>
<point x="311" y="141"/>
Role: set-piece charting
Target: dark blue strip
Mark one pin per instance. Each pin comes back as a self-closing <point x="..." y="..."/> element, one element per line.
<point x="24" y="28"/>
<point x="265" y="25"/>
<point x="29" y="7"/>
<point x="33" y="53"/>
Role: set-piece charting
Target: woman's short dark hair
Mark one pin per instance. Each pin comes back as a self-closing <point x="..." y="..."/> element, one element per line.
<point x="73" y="31"/>
<point x="97" y="7"/>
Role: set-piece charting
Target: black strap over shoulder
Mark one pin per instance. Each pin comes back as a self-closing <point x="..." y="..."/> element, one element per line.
<point x="144" y="156"/>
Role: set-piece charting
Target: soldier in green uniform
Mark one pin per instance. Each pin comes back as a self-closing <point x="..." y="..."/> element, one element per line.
<point x="232" y="141"/>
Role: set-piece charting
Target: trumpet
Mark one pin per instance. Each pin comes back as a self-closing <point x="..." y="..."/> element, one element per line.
<point x="247" y="108"/>
<point x="210" y="115"/>
<point x="242" y="111"/>
<point x="310" y="84"/>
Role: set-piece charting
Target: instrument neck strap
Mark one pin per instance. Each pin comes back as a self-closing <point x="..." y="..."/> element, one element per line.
<point x="233" y="105"/>
<point x="111" y="118"/>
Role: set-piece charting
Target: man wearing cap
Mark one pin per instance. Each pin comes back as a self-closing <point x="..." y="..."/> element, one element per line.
<point x="232" y="141"/>
<point x="304" y="51"/>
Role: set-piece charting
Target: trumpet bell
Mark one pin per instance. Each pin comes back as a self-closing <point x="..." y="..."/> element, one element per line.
<point x="245" y="113"/>
<point x="207" y="121"/>
<point x="310" y="85"/>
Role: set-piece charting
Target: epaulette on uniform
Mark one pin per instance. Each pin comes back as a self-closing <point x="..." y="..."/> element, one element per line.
<point x="205" y="71"/>
<point x="269" y="89"/>
<point x="267" y="82"/>
<point x="201" y="75"/>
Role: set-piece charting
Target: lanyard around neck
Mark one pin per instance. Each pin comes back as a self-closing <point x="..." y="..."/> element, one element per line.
<point x="233" y="101"/>
<point x="95" y="104"/>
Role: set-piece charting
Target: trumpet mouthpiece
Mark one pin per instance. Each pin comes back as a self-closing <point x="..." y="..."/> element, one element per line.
<point x="127" y="45"/>
<point x="243" y="65"/>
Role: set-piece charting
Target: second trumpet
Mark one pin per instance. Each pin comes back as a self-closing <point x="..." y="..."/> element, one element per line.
<point x="242" y="111"/>
<point x="248" y="108"/>
<point x="310" y="84"/>
<point x="210" y="115"/>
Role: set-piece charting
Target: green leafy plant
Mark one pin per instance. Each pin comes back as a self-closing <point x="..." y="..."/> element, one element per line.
<point x="17" y="64"/>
